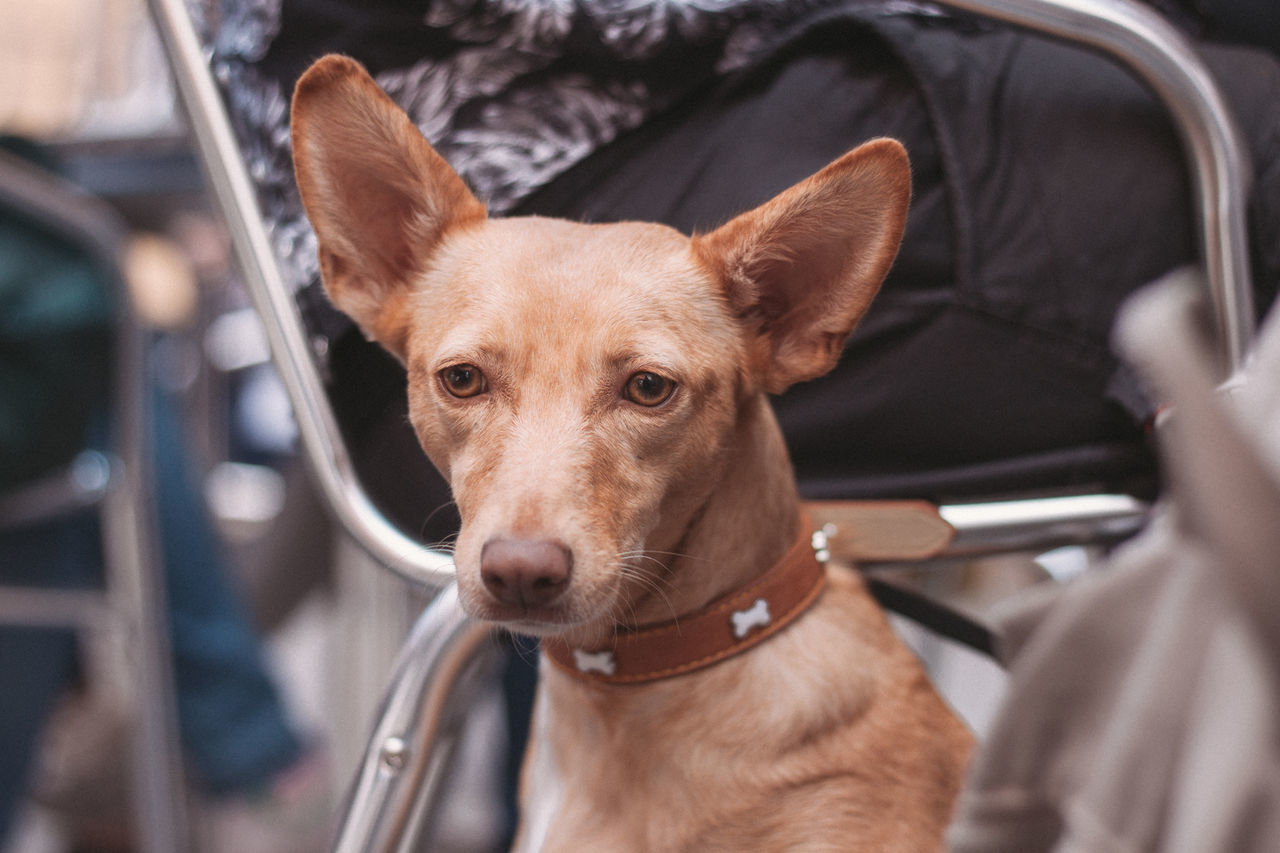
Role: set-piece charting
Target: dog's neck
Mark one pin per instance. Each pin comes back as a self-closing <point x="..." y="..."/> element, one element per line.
<point x="745" y="526"/>
<point x="727" y="627"/>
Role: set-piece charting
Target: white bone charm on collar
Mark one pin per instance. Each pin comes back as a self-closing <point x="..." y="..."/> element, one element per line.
<point x="757" y="616"/>
<point x="602" y="662"/>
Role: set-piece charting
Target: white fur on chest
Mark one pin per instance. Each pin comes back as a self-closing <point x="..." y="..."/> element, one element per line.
<point x="544" y="785"/>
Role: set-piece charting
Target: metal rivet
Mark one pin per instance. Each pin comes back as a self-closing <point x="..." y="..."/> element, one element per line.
<point x="820" y="543"/>
<point x="395" y="752"/>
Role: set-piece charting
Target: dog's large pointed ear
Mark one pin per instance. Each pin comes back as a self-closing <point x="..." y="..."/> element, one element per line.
<point x="378" y="195"/>
<point x="801" y="269"/>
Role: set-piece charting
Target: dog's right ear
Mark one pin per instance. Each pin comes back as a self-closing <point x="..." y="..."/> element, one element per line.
<point x="378" y="195"/>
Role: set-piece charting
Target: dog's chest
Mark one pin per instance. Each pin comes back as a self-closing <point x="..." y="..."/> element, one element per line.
<point x="543" y="786"/>
<point x="635" y="768"/>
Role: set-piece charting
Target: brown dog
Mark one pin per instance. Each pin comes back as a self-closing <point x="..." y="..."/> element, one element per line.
<point x="596" y="397"/>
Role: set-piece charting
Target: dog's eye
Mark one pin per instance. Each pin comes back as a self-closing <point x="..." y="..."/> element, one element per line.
<point x="649" y="389"/>
<point x="463" y="380"/>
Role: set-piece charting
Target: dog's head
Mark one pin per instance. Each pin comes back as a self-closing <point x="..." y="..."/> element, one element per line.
<point x="578" y="385"/>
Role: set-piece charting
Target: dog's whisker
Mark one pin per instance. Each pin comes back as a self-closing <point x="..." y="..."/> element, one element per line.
<point x="623" y="607"/>
<point x="422" y="528"/>
<point x="649" y="552"/>
<point x="647" y="558"/>
<point x="622" y="611"/>
<point x="445" y="545"/>
<point x="658" y="586"/>
<point x="525" y="649"/>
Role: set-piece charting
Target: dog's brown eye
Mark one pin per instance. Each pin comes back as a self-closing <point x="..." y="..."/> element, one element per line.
<point x="649" y="389"/>
<point x="463" y="380"/>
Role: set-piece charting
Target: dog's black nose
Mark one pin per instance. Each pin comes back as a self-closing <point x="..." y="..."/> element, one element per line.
<point x="525" y="573"/>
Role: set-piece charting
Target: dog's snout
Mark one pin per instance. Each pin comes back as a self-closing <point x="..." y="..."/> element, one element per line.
<point x="525" y="572"/>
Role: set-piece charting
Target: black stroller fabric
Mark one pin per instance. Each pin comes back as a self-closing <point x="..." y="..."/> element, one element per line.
<point x="1049" y="184"/>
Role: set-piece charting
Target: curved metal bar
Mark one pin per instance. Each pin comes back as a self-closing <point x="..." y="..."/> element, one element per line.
<point x="237" y="201"/>
<point x="1152" y="47"/>
<point x="1041" y="523"/>
<point x="408" y="750"/>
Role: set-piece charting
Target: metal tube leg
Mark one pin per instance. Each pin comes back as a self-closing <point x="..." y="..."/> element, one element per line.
<point x="434" y="680"/>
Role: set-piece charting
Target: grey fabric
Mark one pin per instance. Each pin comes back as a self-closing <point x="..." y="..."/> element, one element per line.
<point x="1143" y="709"/>
<point x="1138" y="704"/>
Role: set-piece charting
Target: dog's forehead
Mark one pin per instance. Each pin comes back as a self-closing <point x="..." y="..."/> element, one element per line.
<point x="560" y="300"/>
<point x="564" y="260"/>
<point x="542" y="273"/>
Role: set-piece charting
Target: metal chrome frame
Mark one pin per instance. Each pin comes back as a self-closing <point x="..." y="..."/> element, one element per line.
<point x="132" y="600"/>
<point x="1018" y="525"/>
<point x="233" y="191"/>
<point x="417" y="728"/>
<point x="1124" y="29"/>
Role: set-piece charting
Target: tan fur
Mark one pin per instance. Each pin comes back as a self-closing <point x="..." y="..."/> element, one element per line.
<point x="825" y="737"/>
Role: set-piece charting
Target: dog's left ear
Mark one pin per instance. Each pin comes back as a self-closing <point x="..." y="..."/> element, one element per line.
<point x="378" y="195"/>
<point x="801" y="269"/>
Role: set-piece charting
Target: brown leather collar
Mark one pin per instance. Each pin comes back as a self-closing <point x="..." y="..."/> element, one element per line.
<point x="727" y="626"/>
